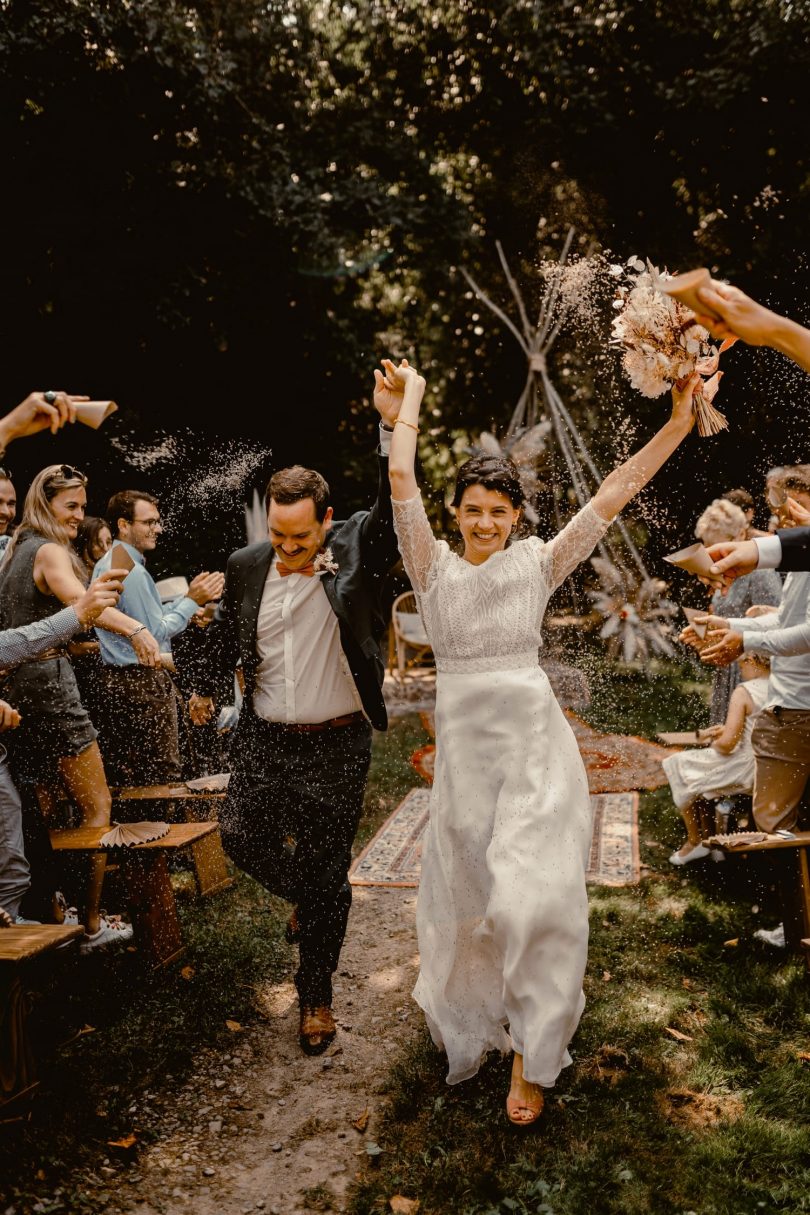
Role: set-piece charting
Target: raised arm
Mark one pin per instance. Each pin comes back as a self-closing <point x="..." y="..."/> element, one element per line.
<point x="629" y="478"/>
<point x="417" y="544"/>
<point x="53" y="574"/>
<point x="740" y="316"/>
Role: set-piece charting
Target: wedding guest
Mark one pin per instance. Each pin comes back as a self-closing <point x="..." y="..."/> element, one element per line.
<point x="8" y="509"/>
<point x="93" y="540"/>
<point x="56" y="741"/>
<point x="742" y="498"/>
<point x="502" y="914"/>
<point x="39" y="411"/>
<point x="19" y="645"/>
<point x="301" y="611"/>
<point x="724" y="768"/>
<point x="138" y="719"/>
<point x="781" y="738"/>
<point x="722" y="520"/>
<point x="742" y="317"/>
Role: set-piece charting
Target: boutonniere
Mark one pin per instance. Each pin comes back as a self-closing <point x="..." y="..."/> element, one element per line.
<point x="325" y="562"/>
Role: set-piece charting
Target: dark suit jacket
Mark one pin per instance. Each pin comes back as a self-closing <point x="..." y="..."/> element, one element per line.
<point x="795" y="543"/>
<point x="365" y="548"/>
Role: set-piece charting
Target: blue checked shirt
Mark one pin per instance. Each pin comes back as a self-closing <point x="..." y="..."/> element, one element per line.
<point x="140" y="600"/>
<point x="30" y="640"/>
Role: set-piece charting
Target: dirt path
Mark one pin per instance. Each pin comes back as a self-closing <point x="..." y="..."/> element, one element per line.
<point x="266" y="1128"/>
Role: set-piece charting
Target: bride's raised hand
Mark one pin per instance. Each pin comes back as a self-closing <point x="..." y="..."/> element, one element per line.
<point x="682" y="394"/>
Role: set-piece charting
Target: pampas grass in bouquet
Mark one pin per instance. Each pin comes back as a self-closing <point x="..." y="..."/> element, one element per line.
<point x="662" y="343"/>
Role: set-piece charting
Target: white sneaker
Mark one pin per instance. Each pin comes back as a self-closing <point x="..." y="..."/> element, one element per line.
<point x="695" y="854"/>
<point x="111" y="931"/>
<point x="772" y="936"/>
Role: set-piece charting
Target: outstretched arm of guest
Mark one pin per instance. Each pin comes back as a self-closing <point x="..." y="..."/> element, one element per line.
<point x="741" y="316"/>
<point x="629" y="478"/>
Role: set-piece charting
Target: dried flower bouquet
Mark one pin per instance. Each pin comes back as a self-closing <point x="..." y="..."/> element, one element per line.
<point x="662" y="343"/>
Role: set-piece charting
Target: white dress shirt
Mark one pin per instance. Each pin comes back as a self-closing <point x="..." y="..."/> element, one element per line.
<point x="770" y="552"/>
<point x="303" y="675"/>
<point x="785" y="635"/>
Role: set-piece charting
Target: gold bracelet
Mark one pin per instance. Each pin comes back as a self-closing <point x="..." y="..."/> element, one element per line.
<point x="402" y="422"/>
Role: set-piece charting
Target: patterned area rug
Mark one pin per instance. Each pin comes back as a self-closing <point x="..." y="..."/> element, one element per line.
<point x="614" y="762"/>
<point x="394" y="856"/>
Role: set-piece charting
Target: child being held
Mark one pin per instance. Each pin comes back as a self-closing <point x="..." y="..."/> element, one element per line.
<point x="725" y="767"/>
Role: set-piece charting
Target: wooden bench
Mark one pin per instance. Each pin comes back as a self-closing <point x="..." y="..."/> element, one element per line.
<point x="22" y="950"/>
<point x="147" y="886"/>
<point x="210" y="866"/>
<point x="792" y="859"/>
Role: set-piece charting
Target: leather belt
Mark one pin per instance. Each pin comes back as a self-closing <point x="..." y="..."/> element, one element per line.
<point x="312" y="727"/>
<point x="53" y="652"/>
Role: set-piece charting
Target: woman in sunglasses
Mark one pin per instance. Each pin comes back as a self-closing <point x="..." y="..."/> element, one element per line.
<point x="56" y="741"/>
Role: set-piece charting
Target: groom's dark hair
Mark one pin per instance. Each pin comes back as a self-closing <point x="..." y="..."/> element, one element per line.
<point x="290" y="485"/>
<point x="498" y="473"/>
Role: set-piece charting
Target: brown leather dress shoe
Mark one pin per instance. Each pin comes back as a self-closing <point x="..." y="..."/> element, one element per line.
<point x="317" y="1029"/>
<point x="292" y="933"/>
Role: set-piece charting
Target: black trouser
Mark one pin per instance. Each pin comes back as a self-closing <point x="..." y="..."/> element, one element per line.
<point x="137" y="726"/>
<point x="289" y="821"/>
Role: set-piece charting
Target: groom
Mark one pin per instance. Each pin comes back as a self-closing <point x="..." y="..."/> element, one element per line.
<point x="302" y="613"/>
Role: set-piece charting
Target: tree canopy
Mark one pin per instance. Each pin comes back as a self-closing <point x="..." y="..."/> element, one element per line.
<point x="224" y="213"/>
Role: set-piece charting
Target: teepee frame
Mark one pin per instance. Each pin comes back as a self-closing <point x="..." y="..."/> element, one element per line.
<point x="539" y="392"/>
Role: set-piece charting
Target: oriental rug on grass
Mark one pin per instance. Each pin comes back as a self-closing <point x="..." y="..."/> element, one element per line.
<point x="393" y="857"/>
<point x="615" y="763"/>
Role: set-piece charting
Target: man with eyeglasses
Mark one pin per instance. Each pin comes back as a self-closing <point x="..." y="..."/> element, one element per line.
<point x="138" y="732"/>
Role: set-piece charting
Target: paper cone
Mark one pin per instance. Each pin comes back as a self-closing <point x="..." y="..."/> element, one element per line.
<point x="683" y="288"/>
<point x="120" y="559"/>
<point x="93" y="413"/>
<point x="691" y="615"/>
<point x="215" y="783"/>
<point x="694" y="559"/>
<point x="125" y="835"/>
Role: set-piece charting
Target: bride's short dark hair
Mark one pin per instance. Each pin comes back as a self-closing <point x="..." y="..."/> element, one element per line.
<point x="497" y="473"/>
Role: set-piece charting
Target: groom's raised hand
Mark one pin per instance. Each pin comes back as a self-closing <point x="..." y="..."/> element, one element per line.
<point x="389" y="389"/>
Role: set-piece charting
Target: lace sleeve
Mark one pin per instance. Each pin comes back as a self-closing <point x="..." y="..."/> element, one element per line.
<point x="417" y="544"/>
<point x="573" y="544"/>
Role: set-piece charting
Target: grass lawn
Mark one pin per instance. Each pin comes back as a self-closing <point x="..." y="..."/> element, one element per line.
<point x="687" y="1093"/>
<point x="146" y="1031"/>
<point x="643" y="1122"/>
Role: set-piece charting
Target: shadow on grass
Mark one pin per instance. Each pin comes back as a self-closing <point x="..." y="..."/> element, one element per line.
<point x="147" y="1030"/>
<point x="712" y="1119"/>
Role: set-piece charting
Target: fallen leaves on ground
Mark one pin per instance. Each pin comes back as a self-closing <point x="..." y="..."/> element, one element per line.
<point x="187" y="973"/>
<point x="128" y="1141"/>
<point x="234" y="1026"/>
<point x="730" y="944"/>
<point x="608" y="1064"/>
<point x="606" y="976"/>
<point x="677" y="1035"/>
<point x="361" y="1121"/>
<point x="403" y="1206"/>
<point x="803" y="1056"/>
<point x="686" y="1107"/>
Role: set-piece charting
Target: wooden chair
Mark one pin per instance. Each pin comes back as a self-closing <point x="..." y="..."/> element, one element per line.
<point x="409" y="635"/>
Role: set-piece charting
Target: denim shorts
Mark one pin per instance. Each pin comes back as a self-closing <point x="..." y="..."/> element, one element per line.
<point x="54" y="724"/>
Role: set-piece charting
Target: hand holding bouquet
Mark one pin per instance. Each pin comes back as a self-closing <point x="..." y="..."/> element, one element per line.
<point x="663" y="344"/>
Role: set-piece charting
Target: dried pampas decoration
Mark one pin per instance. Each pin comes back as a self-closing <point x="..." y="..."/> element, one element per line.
<point x="662" y="343"/>
<point x="637" y="617"/>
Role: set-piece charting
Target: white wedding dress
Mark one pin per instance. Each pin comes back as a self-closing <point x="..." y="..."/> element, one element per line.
<point x="502" y="913"/>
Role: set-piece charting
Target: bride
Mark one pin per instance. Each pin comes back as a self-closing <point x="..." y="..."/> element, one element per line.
<point x="502" y="914"/>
